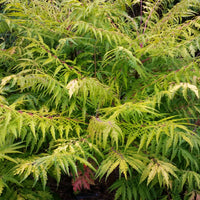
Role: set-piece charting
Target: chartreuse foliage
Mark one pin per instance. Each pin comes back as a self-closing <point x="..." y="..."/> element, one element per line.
<point x="111" y="85"/>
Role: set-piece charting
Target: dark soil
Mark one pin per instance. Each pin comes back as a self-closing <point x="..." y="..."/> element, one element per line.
<point x="64" y="191"/>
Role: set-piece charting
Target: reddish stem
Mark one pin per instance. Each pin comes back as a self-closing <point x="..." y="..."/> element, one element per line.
<point x="145" y="26"/>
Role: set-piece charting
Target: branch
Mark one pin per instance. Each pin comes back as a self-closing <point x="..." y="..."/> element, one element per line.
<point x="62" y="61"/>
<point x="140" y="13"/>
<point x="145" y="26"/>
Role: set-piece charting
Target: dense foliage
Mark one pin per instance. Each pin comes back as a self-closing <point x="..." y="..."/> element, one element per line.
<point x="102" y="86"/>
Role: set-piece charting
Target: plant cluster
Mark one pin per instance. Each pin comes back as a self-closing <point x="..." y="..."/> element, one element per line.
<point x="102" y="86"/>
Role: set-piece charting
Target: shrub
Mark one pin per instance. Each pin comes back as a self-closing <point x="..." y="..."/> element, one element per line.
<point x="102" y="85"/>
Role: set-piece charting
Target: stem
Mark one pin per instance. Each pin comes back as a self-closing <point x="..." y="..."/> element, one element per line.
<point x="143" y="61"/>
<point x="141" y="44"/>
<point x="140" y="13"/>
<point x="95" y="62"/>
<point x="145" y="26"/>
<point x="62" y="61"/>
